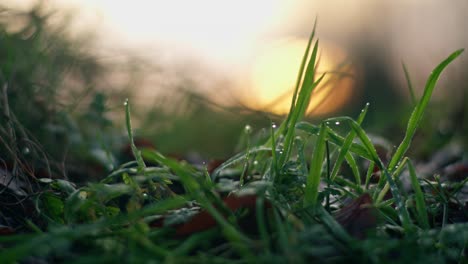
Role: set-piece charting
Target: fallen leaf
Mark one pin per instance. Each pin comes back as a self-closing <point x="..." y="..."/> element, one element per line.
<point x="357" y="217"/>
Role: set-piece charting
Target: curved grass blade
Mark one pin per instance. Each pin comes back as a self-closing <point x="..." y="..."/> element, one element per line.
<point x="334" y="138"/>
<point x="418" y="111"/>
<point x="345" y="148"/>
<point x="402" y="212"/>
<point x="238" y="158"/>
<point x="354" y="168"/>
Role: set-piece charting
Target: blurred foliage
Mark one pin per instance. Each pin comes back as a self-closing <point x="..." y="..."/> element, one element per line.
<point x="54" y="107"/>
<point x="194" y="124"/>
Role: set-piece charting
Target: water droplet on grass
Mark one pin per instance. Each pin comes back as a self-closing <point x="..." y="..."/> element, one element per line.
<point x="247" y="129"/>
<point x="26" y="151"/>
<point x="337" y="123"/>
<point x="273" y="125"/>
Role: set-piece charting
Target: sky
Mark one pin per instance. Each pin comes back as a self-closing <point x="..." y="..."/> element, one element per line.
<point x="256" y="46"/>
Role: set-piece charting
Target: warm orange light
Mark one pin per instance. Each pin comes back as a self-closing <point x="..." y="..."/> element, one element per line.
<point x="275" y="71"/>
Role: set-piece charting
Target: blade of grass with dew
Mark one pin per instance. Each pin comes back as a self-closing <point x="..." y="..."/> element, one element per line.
<point x="402" y="212"/>
<point x="238" y="158"/>
<point x="421" y="208"/>
<point x="247" y="132"/>
<point x="418" y="111"/>
<point x="334" y="138"/>
<point x="185" y="174"/>
<point x="274" y="159"/>
<point x="345" y="147"/>
<point x="308" y="85"/>
<point x="395" y="175"/>
<point x="410" y="85"/>
<point x="313" y="179"/>
<point x="193" y="188"/>
<point x="135" y="151"/>
<point x="286" y="126"/>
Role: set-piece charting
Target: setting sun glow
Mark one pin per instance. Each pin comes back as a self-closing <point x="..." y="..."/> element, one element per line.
<point x="275" y="71"/>
<point x="237" y="39"/>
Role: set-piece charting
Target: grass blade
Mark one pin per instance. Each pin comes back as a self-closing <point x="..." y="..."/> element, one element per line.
<point x="334" y="138"/>
<point x="421" y="208"/>
<point x="410" y="85"/>
<point x="308" y="85"/>
<point x="345" y="147"/>
<point x="135" y="151"/>
<point x="313" y="179"/>
<point x="402" y="212"/>
<point x="418" y="111"/>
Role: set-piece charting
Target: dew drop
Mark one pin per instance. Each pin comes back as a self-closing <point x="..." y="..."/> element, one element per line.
<point x="273" y="125"/>
<point x="26" y="150"/>
<point x="247" y="129"/>
<point x="255" y="163"/>
<point x="126" y="102"/>
<point x="367" y="104"/>
<point x="337" y="123"/>
<point x="327" y="123"/>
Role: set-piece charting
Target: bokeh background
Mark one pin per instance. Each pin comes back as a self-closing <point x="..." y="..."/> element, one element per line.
<point x="198" y="71"/>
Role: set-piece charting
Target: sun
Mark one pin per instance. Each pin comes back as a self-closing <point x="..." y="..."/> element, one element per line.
<point x="274" y="73"/>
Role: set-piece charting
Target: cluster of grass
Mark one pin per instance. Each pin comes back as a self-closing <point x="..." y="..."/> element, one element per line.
<point x="303" y="204"/>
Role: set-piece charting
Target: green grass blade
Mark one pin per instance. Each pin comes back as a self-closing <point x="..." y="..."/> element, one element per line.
<point x="274" y="159"/>
<point x="418" y="111"/>
<point x="285" y="127"/>
<point x="421" y="208"/>
<point x="345" y="148"/>
<point x="410" y="85"/>
<point x="334" y="138"/>
<point x="185" y="174"/>
<point x="370" y="170"/>
<point x="355" y="169"/>
<point x="308" y="85"/>
<point x="135" y="151"/>
<point x="193" y="187"/>
<point x="301" y="70"/>
<point x="313" y="179"/>
<point x="238" y="158"/>
<point x="402" y="212"/>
